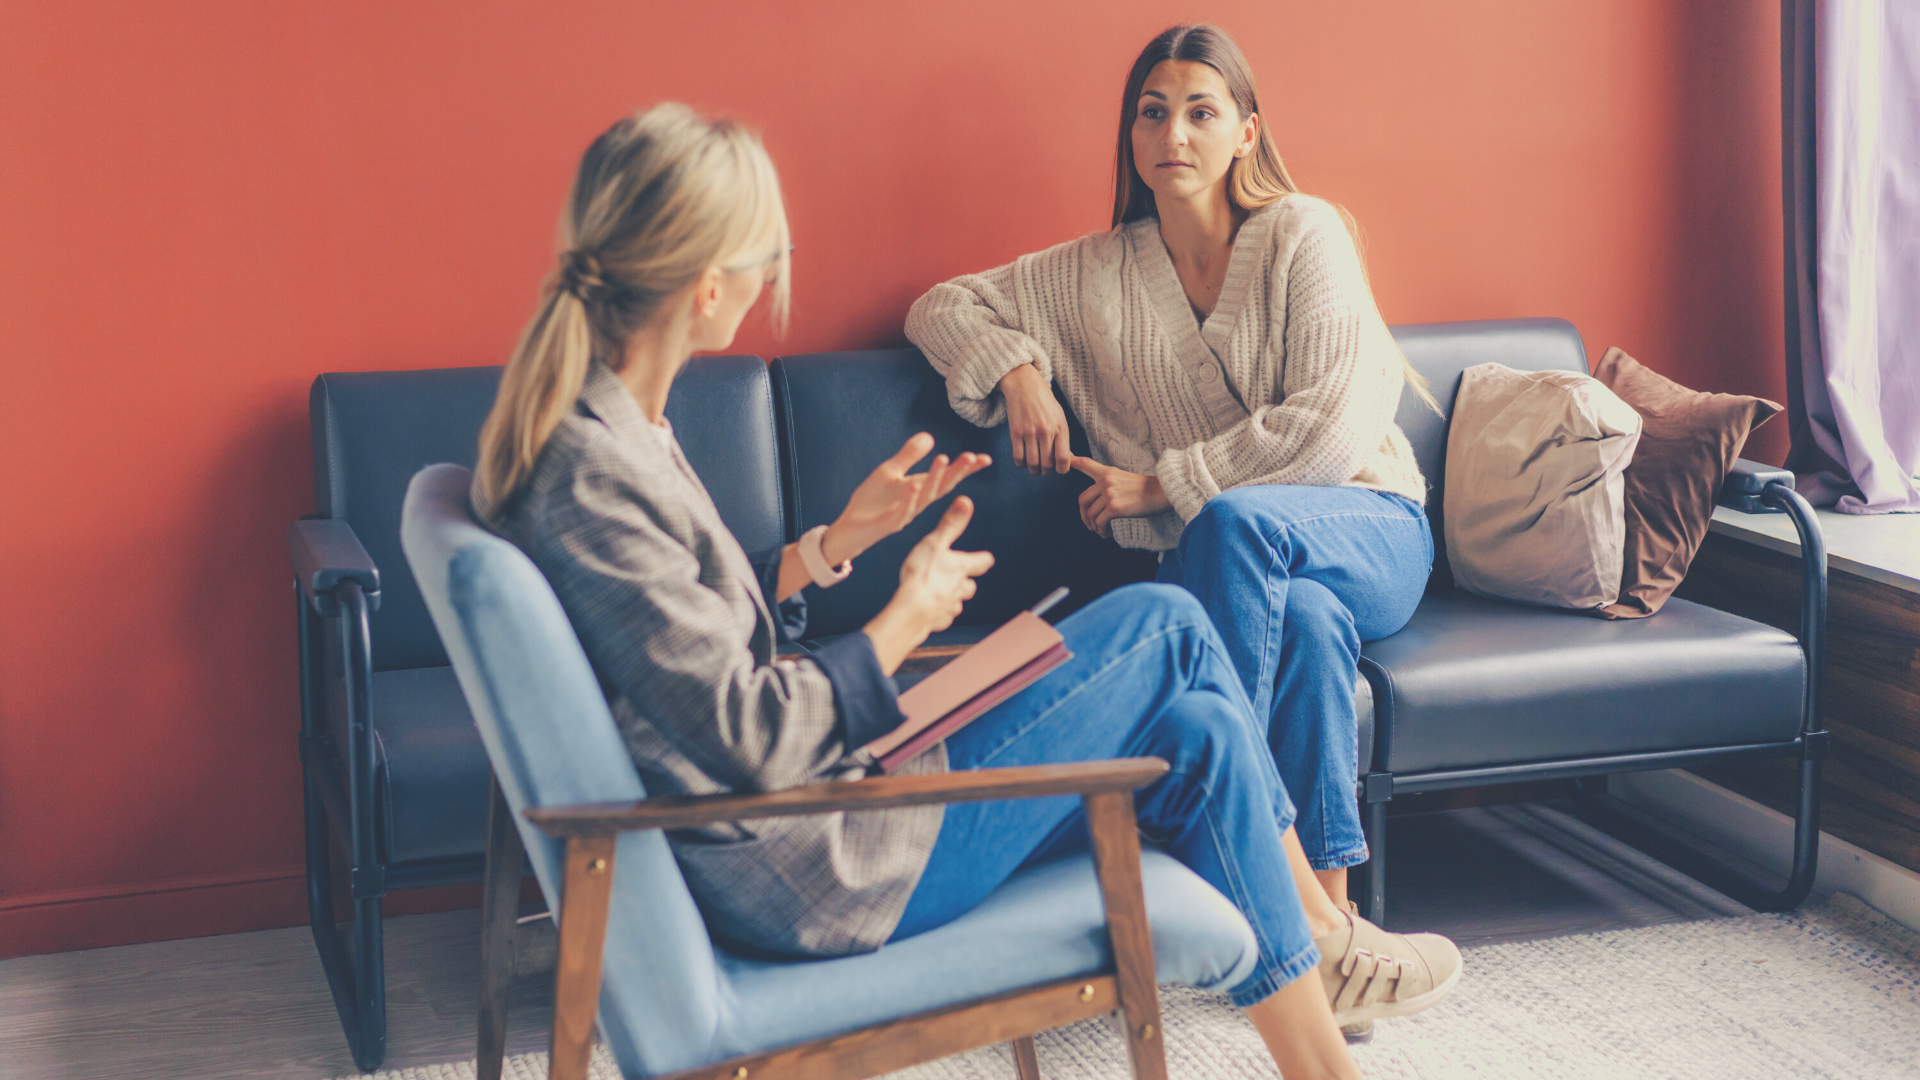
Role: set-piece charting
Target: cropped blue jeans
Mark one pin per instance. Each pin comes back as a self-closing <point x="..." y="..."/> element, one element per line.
<point x="1148" y="678"/>
<point x="1295" y="579"/>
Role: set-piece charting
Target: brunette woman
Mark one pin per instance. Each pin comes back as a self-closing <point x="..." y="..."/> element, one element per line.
<point x="1238" y="387"/>
<point x="674" y="229"/>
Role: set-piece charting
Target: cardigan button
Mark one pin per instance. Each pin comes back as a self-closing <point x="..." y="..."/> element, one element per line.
<point x="1208" y="373"/>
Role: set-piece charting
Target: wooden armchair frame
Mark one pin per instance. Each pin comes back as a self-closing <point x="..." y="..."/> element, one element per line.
<point x="590" y="830"/>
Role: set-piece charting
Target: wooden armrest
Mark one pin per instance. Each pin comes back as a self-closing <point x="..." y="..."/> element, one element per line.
<point x="691" y="811"/>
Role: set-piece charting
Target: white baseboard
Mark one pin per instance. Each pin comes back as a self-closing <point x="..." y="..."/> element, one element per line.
<point x="1764" y="836"/>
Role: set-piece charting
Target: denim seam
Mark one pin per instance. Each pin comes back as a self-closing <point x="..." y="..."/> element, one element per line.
<point x="1345" y="515"/>
<point x="1352" y="857"/>
<point x="1272" y="636"/>
<point x="1267" y="960"/>
<point x="1269" y="973"/>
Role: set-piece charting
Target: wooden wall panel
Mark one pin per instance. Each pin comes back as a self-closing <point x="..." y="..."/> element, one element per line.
<point x="1870" y="696"/>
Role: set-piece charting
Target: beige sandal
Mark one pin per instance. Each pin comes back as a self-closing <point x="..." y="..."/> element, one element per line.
<point x="1370" y="974"/>
<point x="1362" y="1032"/>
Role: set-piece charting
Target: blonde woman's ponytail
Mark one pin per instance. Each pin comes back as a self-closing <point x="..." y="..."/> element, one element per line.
<point x="537" y="389"/>
<point x="660" y="197"/>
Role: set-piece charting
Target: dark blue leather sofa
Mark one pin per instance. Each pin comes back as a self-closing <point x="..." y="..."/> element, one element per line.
<point x="1471" y="692"/>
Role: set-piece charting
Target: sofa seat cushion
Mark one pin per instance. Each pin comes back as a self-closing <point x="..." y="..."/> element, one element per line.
<point x="1045" y="923"/>
<point x="431" y="769"/>
<point x="1471" y="681"/>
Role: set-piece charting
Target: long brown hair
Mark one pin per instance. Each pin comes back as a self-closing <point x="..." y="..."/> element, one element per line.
<point x="1253" y="181"/>
<point x="659" y="198"/>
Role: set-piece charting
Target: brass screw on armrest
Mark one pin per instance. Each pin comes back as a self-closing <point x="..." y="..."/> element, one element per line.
<point x="1146" y="1032"/>
<point x="740" y="1073"/>
<point x="596" y="867"/>
<point x="1086" y="992"/>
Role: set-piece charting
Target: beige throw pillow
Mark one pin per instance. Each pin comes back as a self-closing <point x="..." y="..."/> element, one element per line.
<point x="1536" y="502"/>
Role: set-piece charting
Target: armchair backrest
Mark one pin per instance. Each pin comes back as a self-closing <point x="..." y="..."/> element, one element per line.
<point x="842" y="413"/>
<point x="1441" y="352"/>
<point x="553" y="742"/>
<point x="372" y="430"/>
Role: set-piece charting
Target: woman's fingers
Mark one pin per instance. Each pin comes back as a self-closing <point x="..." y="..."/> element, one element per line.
<point x="1091" y="467"/>
<point x="928" y="487"/>
<point x="1043" y="448"/>
<point x="963" y="466"/>
<point x="910" y="452"/>
<point x="952" y="523"/>
<point x="1094" y="510"/>
<point x="974" y="563"/>
<point x="1094" y="491"/>
<point x="1062" y="451"/>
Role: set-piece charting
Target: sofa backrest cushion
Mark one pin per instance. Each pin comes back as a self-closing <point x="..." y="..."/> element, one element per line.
<point x="841" y="414"/>
<point x="1441" y="352"/>
<point x="372" y="430"/>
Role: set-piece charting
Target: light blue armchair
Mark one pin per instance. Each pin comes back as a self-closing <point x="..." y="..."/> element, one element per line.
<point x="1058" y="943"/>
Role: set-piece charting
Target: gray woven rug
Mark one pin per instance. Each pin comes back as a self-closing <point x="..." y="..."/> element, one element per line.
<point x="1829" y="992"/>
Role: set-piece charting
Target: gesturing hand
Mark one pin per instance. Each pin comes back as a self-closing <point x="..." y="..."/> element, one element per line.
<point x="889" y="497"/>
<point x="1117" y="493"/>
<point x="937" y="581"/>
<point x="1035" y="421"/>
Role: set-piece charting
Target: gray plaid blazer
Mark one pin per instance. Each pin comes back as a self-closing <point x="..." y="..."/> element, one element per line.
<point x="672" y="616"/>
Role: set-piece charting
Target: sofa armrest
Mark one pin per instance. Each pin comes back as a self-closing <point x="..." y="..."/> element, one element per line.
<point x="1754" y="488"/>
<point x="326" y="553"/>
<point x="692" y="811"/>
<point x="1746" y="486"/>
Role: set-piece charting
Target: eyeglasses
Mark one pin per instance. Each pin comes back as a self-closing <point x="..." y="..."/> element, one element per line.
<point x="772" y="260"/>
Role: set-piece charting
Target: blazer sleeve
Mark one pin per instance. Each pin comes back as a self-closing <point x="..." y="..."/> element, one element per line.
<point x="789" y="615"/>
<point x="1341" y="379"/>
<point x="658" y="634"/>
<point x="866" y="698"/>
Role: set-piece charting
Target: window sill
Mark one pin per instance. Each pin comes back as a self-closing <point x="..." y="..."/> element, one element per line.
<point x="1883" y="547"/>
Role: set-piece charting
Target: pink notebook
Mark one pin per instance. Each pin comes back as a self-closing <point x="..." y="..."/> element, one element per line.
<point x="1004" y="663"/>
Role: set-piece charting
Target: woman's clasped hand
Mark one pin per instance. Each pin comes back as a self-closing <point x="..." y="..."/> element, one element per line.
<point x="1117" y="493"/>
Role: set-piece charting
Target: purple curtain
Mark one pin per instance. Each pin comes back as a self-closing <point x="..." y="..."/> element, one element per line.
<point x="1850" y="112"/>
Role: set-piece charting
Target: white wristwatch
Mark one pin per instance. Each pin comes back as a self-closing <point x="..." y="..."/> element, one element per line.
<point x="815" y="559"/>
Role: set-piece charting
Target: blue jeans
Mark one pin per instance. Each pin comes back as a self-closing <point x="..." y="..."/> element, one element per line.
<point x="1148" y="678"/>
<point x="1295" y="579"/>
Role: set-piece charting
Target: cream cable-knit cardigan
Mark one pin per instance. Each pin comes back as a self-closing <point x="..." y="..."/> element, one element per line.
<point x="1293" y="378"/>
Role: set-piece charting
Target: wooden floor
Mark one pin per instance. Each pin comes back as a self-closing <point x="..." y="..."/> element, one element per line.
<point x="256" y="1005"/>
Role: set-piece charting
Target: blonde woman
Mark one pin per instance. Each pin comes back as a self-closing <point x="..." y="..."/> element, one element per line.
<point x="673" y="231"/>
<point x="1238" y="387"/>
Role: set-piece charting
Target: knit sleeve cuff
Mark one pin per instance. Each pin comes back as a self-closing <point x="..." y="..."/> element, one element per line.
<point x="865" y="698"/>
<point x="1185" y="478"/>
<point x="974" y="387"/>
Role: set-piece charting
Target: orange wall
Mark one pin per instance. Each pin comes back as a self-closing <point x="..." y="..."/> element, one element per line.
<point x="201" y="208"/>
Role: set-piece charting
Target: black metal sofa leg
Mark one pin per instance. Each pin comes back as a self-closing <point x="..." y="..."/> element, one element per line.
<point x="1612" y="816"/>
<point x="357" y="978"/>
<point x="1373" y="902"/>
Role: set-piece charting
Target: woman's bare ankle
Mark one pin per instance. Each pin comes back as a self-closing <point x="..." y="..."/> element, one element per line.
<point x="1297" y="1025"/>
<point x="1320" y="924"/>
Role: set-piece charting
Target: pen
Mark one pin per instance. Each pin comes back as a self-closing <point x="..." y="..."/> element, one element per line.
<point x="1049" y="600"/>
